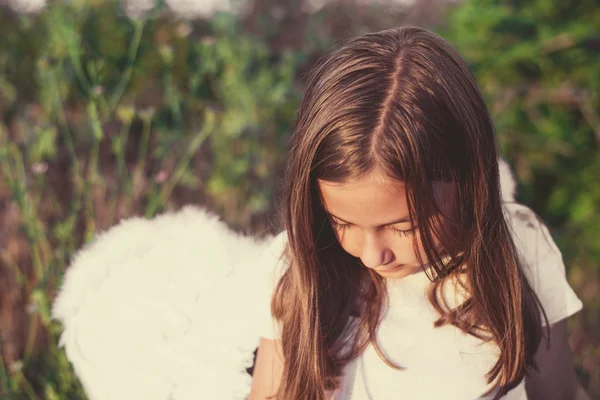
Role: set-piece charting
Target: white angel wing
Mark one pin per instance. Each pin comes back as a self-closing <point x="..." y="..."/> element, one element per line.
<point x="162" y="309"/>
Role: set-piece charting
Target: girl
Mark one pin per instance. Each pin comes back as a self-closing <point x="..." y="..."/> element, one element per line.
<point x="403" y="273"/>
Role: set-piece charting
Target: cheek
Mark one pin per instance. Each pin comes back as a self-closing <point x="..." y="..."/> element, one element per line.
<point x="350" y="242"/>
<point x="420" y="248"/>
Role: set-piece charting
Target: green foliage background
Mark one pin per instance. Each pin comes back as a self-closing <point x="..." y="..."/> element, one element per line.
<point x="103" y="117"/>
<point x="538" y="63"/>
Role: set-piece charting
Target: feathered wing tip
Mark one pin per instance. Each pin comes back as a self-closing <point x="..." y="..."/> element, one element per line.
<point x="163" y="309"/>
<point x="508" y="184"/>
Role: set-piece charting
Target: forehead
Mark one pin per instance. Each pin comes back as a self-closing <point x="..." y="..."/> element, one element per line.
<point x="369" y="201"/>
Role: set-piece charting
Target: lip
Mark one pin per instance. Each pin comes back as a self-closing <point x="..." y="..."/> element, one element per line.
<point x="390" y="269"/>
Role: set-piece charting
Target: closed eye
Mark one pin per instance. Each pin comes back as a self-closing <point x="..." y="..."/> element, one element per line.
<point x="340" y="227"/>
<point x="402" y="232"/>
<point x="405" y="233"/>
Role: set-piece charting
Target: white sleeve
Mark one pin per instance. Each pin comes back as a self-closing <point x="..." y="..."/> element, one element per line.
<point x="274" y="264"/>
<point x="542" y="262"/>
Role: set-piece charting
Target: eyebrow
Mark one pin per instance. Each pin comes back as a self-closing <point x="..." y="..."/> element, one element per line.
<point x="399" y="221"/>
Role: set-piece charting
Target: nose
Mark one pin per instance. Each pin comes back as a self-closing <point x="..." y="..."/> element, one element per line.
<point x="375" y="252"/>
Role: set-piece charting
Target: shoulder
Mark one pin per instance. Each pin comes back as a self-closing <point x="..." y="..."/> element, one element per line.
<point x="276" y="244"/>
<point x="273" y="256"/>
<point x="542" y="262"/>
<point x="531" y="236"/>
<point x="272" y="265"/>
<point x="274" y="261"/>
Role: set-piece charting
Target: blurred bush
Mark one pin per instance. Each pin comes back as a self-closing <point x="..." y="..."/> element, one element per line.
<point x="109" y="110"/>
<point x="538" y="62"/>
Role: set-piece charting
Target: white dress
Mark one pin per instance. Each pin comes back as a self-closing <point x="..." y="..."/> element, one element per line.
<point x="441" y="363"/>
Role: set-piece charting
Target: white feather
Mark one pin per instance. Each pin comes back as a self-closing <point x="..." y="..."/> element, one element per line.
<point x="163" y="309"/>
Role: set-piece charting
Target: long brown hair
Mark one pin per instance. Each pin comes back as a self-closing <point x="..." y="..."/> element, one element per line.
<point x="403" y="101"/>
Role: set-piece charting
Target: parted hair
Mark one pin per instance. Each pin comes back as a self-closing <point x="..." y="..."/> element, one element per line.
<point x="404" y="102"/>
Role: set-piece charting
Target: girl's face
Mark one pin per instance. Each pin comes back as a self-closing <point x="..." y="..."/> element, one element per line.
<point x="371" y="221"/>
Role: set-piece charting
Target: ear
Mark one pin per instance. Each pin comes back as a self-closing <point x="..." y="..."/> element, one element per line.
<point x="508" y="184"/>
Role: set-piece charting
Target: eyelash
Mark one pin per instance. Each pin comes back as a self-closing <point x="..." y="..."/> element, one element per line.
<point x="403" y="233"/>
